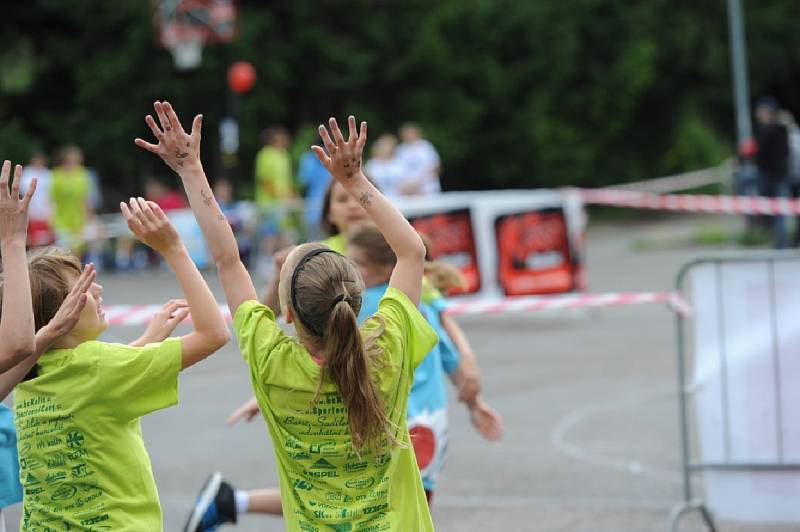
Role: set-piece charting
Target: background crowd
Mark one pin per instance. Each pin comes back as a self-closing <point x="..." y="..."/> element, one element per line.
<point x="286" y="208"/>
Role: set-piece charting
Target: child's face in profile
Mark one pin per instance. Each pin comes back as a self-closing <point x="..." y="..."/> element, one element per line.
<point x="373" y="274"/>
<point x="92" y="321"/>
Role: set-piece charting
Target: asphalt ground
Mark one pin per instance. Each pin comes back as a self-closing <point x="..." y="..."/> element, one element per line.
<point x="589" y="401"/>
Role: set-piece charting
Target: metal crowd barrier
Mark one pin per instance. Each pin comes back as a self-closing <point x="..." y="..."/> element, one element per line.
<point x="718" y="308"/>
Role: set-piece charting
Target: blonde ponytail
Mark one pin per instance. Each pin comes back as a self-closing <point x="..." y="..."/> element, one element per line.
<point x="348" y="367"/>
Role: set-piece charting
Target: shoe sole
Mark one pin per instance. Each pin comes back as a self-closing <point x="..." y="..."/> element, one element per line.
<point x="207" y="495"/>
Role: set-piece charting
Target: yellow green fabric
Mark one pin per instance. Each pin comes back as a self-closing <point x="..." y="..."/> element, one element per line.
<point x="83" y="464"/>
<point x="69" y="194"/>
<point x="325" y="485"/>
<point x="338" y="243"/>
<point x="273" y="176"/>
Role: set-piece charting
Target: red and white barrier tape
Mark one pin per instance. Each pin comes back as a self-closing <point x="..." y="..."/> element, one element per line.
<point x="141" y="314"/>
<point x="687" y="180"/>
<point x="564" y="302"/>
<point x="692" y="203"/>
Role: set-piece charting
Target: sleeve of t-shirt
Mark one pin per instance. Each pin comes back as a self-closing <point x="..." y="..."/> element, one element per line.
<point x="258" y="335"/>
<point x="138" y="380"/>
<point x="406" y="324"/>
<point x="450" y="354"/>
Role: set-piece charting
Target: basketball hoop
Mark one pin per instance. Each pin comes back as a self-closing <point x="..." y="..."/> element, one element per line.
<point x="184" y="27"/>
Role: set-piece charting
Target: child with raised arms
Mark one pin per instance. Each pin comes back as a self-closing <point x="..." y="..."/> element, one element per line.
<point x="427" y="404"/>
<point x="83" y="464"/>
<point x="335" y="398"/>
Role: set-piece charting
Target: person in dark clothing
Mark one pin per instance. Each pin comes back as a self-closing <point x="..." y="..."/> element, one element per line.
<point x="772" y="160"/>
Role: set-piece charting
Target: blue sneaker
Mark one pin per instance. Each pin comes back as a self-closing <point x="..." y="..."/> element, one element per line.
<point x="215" y="506"/>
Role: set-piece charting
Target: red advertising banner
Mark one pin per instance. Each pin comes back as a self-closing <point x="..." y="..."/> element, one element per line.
<point x="453" y="242"/>
<point x="533" y="253"/>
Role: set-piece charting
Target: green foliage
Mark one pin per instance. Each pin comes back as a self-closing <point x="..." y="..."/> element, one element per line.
<point x="513" y="94"/>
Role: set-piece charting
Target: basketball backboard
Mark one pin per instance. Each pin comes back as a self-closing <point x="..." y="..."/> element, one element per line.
<point x="185" y="26"/>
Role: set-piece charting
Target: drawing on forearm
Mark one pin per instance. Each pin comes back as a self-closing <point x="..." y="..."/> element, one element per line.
<point x="207" y="198"/>
<point x="365" y="199"/>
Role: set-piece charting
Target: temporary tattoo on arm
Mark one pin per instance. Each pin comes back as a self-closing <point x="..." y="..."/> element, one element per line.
<point x="181" y="156"/>
<point x="207" y="198"/>
<point x="365" y="199"/>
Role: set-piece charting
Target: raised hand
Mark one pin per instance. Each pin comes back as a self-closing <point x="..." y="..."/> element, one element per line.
<point x="70" y="310"/>
<point x="164" y="321"/>
<point x="13" y="210"/>
<point x="486" y="420"/>
<point x="248" y="410"/>
<point x="343" y="159"/>
<point x="181" y="151"/>
<point x="149" y="224"/>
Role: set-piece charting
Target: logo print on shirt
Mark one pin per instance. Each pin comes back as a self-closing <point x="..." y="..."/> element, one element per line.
<point x="323" y="464"/>
<point x="75" y="439"/>
<point x="64" y="493"/>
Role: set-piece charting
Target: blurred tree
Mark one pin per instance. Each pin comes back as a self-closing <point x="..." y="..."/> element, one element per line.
<point x="513" y="94"/>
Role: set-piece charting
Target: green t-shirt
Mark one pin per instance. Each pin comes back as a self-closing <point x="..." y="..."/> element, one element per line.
<point x="324" y="484"/>
<point x="69" y="193"/>
<point x="273" y="176"/>
<point x="83" y="465"/>
<point x="338" y="243"/>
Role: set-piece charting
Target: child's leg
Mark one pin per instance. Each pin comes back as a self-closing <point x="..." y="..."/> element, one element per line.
<point x="219" y="503"/>
<point x="263" y="501"/>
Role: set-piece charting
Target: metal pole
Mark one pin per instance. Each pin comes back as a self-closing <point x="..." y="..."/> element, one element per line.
<point x="739" y="61"/>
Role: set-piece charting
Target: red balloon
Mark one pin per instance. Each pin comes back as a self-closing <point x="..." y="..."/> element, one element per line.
<point x="241" y="77"/>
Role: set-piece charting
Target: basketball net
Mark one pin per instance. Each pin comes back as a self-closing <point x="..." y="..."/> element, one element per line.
<point x="187" y="53"/>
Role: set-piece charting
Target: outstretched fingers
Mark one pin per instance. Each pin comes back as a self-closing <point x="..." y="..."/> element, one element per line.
<point x="352" y="134"/>
<point x="166" y="125"/>
<point x="326" y="140"/>
<point x="362" y="136"/>
<point x="26" y="200"/>
<point x="16" y="183"/>
<point x="4" y="173"/>
<point x="337" y="133"/>
<point x="197" y="126"/>
<point x="85" y="280"/>
<point x="172" y="116"/>
<point x="322" y="156"/>
<point x="133" y="223"/>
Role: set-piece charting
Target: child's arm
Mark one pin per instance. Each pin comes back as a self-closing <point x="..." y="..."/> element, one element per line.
<point x="485" y="419"/>
<point x="150" y="225"/>
<point x="466" y="378"/>
<point x="181" y="152"/>
<point x="248" y="410"/>
<point x="163" y="323"/>
<point x="16" y="327"/>
<point x="65" y="319"/>
<point x="343" y="161"/>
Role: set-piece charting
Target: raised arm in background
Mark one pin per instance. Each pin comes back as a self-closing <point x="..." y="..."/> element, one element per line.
<point x="344" y="164"/>
<point x="16" y="326"/>
<point x="150" y="225"/>
<point x="181" y="152"/>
